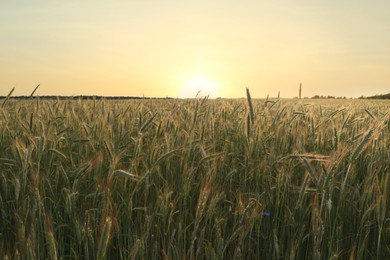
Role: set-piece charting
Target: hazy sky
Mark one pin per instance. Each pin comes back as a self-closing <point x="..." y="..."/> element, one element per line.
<point x="174" y="48"/>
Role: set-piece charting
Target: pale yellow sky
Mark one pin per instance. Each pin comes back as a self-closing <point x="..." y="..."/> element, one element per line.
<point x="174" y="48"/>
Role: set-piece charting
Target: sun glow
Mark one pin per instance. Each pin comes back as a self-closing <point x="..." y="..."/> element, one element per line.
<point x="199" y="87"/>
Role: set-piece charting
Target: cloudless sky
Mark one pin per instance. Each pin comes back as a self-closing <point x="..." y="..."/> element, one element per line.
<point x="174" y="48"/>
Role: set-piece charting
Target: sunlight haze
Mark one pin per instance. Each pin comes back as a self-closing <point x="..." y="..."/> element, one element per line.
<point x="178" y="48"/>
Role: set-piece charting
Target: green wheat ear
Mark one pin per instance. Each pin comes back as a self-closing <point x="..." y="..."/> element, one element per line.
<point x="361" y="145"/>
<point x="8" y="96"/>
<point x="251" y="111"/>
<point x="105" y="237"/>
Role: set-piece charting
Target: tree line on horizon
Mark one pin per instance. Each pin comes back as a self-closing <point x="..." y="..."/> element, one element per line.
<point x="82" y="97"/>
<point x="384" y="96"/>
<point x="92" y="97"/>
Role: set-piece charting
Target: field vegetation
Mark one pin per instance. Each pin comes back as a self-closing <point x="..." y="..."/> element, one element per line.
<point x="194" y="179"/>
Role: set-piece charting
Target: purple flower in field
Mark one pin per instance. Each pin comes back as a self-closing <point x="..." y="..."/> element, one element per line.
<point x="265" y="214"/>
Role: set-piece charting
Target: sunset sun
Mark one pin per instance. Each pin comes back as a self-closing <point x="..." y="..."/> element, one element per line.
<point x="199" y="86"/>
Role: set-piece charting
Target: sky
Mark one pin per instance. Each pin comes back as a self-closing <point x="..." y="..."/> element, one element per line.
<point x="178" y="48"/>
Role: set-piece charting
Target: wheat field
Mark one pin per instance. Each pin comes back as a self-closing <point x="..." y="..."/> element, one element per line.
<point x="194" y="179"/>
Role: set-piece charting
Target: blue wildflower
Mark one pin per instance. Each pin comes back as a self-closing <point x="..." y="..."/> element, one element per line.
<point x="265" y="214"/>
